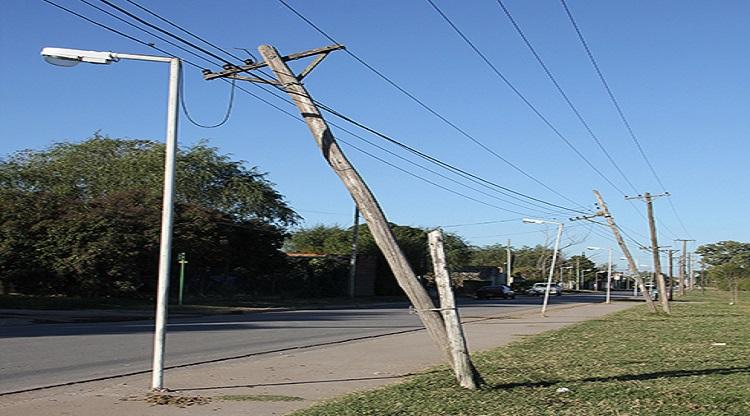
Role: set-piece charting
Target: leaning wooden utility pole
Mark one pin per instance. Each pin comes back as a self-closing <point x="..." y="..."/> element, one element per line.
<point x="466" y="374"/>
<point x="631" y="262"/>
<point x="363" y="197"/>
<point x="663" y="296"/>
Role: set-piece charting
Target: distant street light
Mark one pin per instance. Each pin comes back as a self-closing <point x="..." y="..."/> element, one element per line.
<point x="554" y="256"/>
<point x="72" y="57"/>
<point x="609" y="273"/>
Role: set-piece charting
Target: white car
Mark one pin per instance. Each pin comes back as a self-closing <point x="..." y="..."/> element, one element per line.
<point x="539" y="289"/>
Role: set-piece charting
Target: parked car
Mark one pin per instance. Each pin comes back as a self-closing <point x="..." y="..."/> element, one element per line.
<point x="539" y="289"/>
<point x="495" y="291"/>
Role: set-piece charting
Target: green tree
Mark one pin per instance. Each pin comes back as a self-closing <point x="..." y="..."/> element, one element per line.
<point x="84" y="218"/>
<point x="729" y="265"/>
<point x="336" y="240"/>
<point x="322" y="239"/>
<point x="732" y="276"/>
<point x="529" y="263"/>
<point x="716" y="254"/>
<point x="101" y="166"/>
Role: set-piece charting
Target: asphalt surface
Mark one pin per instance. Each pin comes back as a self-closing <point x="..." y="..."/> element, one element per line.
<point x="39" y="355"/>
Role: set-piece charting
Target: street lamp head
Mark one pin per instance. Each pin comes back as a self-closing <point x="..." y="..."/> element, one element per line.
<point x="532" y="221"/>
<point x="72" y="57"/>
<point x="593" y="248"/>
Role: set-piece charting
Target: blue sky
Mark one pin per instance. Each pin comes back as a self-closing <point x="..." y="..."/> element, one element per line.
<point x="678" y="69"/>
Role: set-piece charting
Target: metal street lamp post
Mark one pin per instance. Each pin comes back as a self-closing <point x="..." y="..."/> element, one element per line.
<point x="71" y="57"/>
<point x="554" y="256"/>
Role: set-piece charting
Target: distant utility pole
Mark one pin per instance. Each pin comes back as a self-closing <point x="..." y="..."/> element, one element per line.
<point x="663" y="296"/>
<point x="683" y="261"/>
<point x="509" y="280"/>
<point x="671" y="275"/>
<point x="691" y="278"/>
<point x="332" y="153"/>
<point x="353" y="258"/>
<point x="703" y="276"/>
<point x="631" y="262"/>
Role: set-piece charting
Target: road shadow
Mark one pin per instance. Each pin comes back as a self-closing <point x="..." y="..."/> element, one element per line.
<point x="322" y="319"/>
<point x="627" y="377"/>
<point x="301" y="382"/>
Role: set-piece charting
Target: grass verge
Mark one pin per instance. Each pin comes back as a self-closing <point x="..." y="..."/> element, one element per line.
<point x="628" y="363"/>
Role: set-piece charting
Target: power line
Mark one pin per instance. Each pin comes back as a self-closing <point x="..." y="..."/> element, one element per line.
<point x="153" y="46"/>
<point x="617" y="106"/>
<point x="323" y="106"/>
<point x="480" y="223"/>
<point x="157" y="28"/>
<point x="182" y="29"/>
<point x="438" y="161"/>
<point x="563" y="93"/>
<point x="224" y="119"/>
<point x="520" y="95"/>
<point x="293" y="116"/>
<point x="425" y="179"/>
<point x="570" y="104"/>
<point x="466" y="175"/>
<point x="521" y="233"/>
<point x="534" y="208"/>
<point x="182" y="89"/>
<point x="424" y="105"/>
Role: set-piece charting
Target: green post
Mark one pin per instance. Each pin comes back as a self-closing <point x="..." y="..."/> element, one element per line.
<point x="182" y="261"/>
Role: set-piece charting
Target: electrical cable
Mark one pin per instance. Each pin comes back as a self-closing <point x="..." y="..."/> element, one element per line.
<point x="422" y="104"/>
<point x="153" y="46"/>
<point x="227" y="114"/>
<point x="182" y="89"/>
<point x="438" y="161"/>
<point x="617" y="106"/>
<point x="534" y="208"/>
<point x="182" y="29"/>
<point x="523" y="98"/>
<point x="425" y="179"/>
<point x="254" y="95"/>
<point x="563" y="93"/>
<point x="480" y="223"/>
<point x="570" y="104"/>
<point x="157" y="28"/>
<point x="323" y="106"/>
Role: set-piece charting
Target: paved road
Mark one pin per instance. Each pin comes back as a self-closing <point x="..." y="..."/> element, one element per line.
<point x="38" y="355"/>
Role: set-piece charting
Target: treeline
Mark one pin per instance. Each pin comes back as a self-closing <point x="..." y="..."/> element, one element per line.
<point x="83" y="219"/>
<point x="728" y="266"/>
<point x="528" y="263"/>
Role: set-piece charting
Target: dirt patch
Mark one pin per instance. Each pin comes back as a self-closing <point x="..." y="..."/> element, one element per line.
<point x="159" y="399"/>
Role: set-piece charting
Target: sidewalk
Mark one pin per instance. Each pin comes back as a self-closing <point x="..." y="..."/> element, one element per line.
<point x="297" y="379"/>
